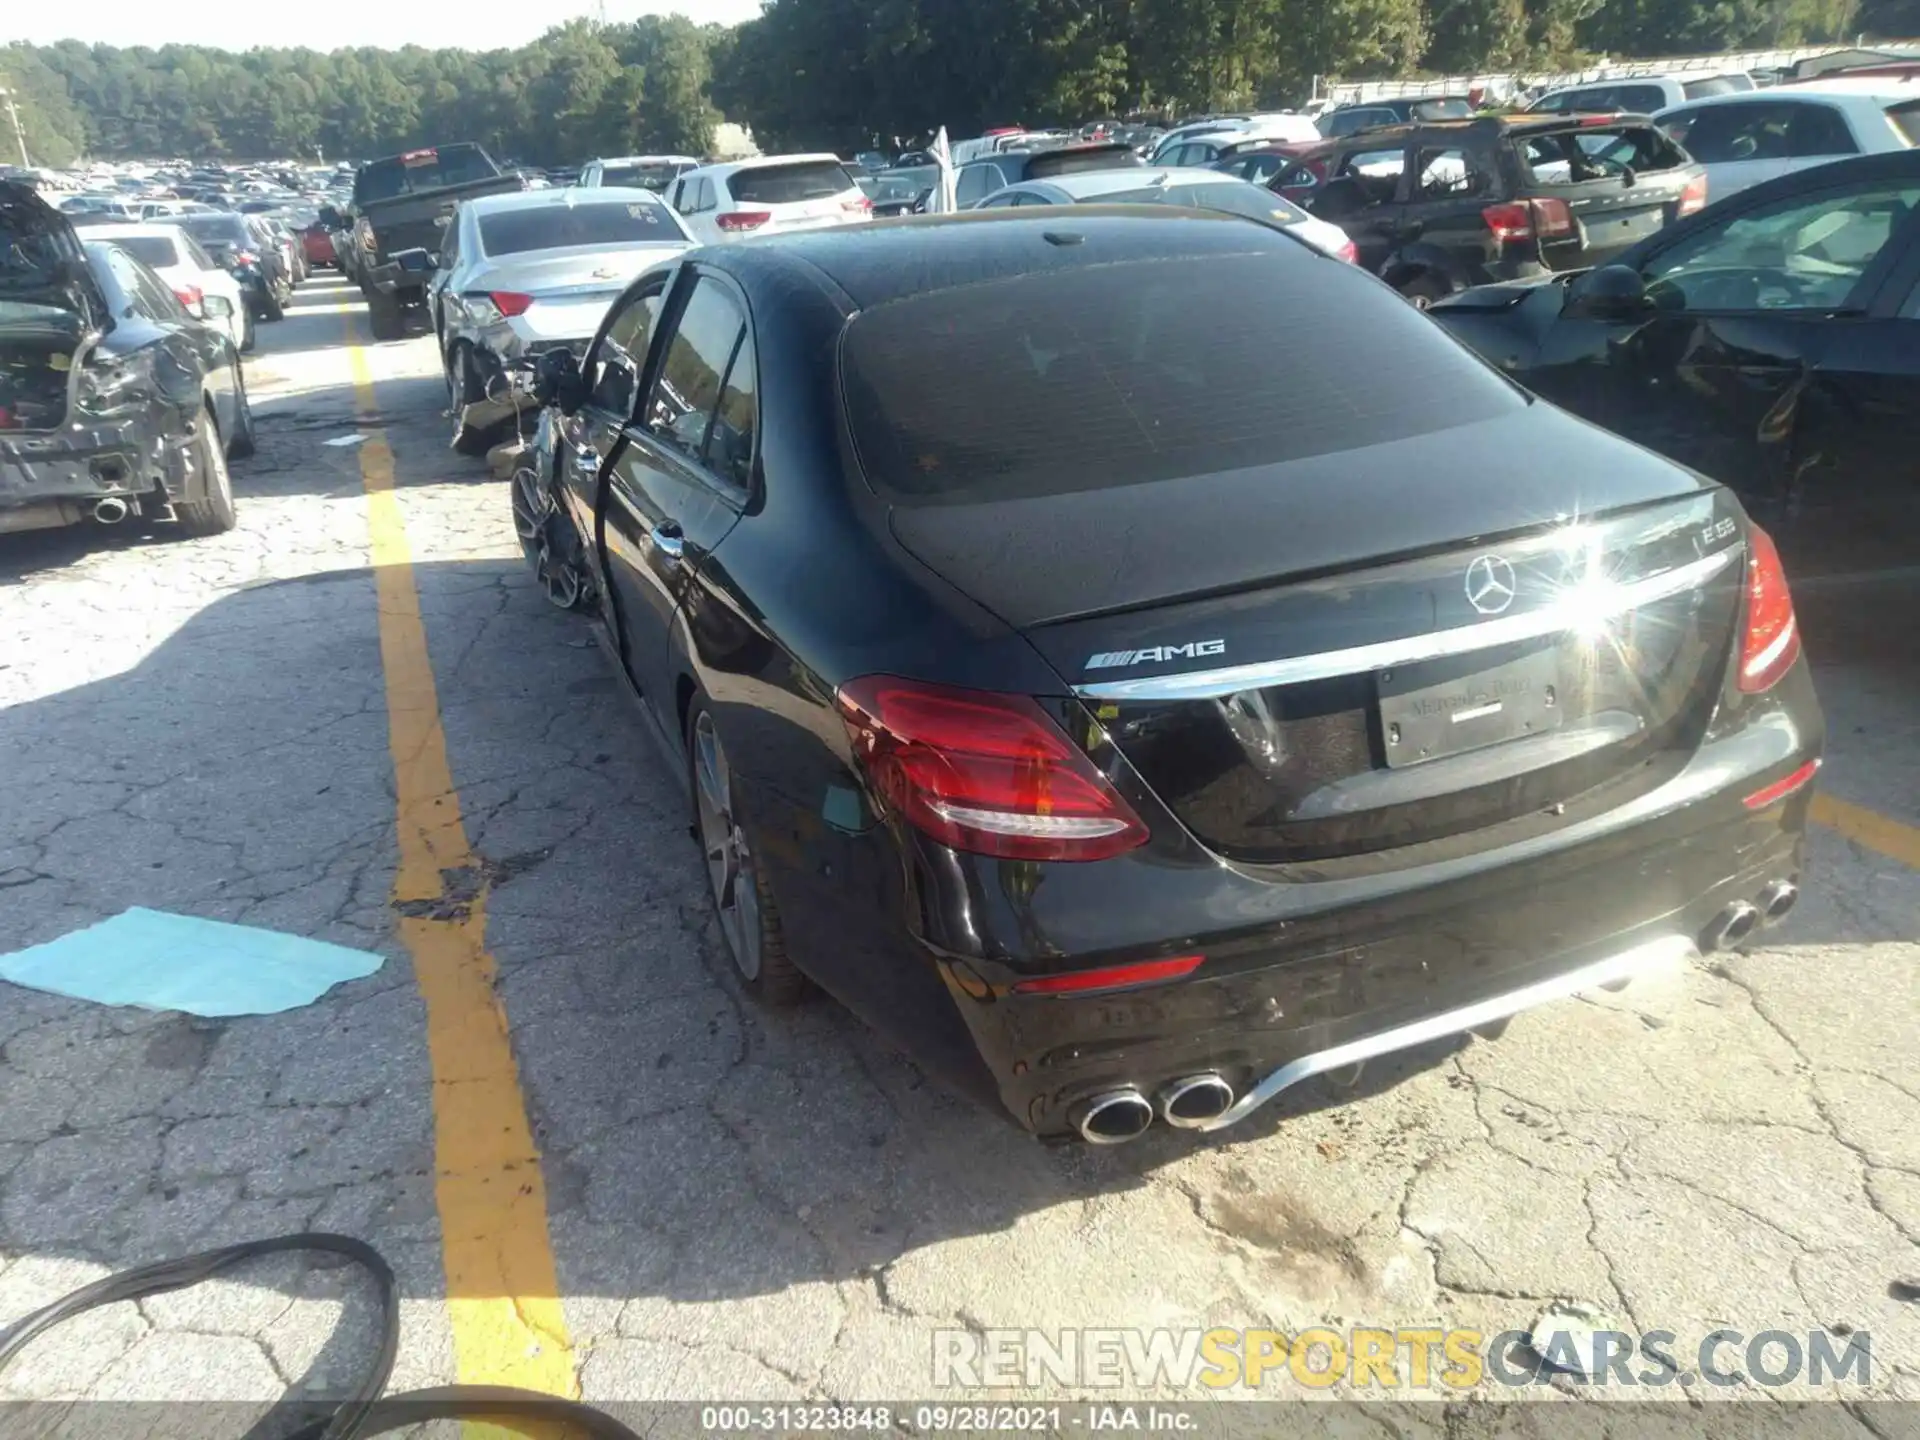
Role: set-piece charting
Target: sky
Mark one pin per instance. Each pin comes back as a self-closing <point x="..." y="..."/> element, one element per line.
<point x="474" y="24"/>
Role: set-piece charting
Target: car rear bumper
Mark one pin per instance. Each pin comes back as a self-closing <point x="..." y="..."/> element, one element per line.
<point x="80" y="465"/>
<point x="1305" y="969"/>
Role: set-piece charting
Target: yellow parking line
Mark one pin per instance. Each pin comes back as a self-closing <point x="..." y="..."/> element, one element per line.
<point x="502" y="1286"/>
<point x="1870" y="828"/>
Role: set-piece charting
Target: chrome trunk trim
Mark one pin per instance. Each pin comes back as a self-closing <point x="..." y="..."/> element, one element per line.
<point x="1547" y="620"/>
<point x="1652" y="954"/>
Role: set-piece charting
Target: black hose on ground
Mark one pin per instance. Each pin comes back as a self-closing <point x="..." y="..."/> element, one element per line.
<point x="365" y="1411"/>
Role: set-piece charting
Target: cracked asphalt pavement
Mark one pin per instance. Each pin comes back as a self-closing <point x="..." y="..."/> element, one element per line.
<point x="742" y="1205"/>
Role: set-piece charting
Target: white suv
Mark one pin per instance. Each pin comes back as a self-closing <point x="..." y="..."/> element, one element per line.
<point x="768" y="196"/>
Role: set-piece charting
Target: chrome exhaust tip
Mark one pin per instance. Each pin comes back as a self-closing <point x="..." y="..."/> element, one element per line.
<point x="111" y="511"/>
<point x="1731" y="927"/>
<point x="1113" y="1118"/>
<point x="1189" y="1103"/>
<point x="1777" y="899"/>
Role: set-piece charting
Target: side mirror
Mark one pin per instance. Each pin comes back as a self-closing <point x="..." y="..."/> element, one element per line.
<point x="415" y="262"/>
<point x="556" y="381"/>
<point x="216" y="307"/>
<point x="1613" y="292"/>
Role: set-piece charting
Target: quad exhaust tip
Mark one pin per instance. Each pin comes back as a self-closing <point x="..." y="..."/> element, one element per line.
<point x="1190" y="1103"/>
<point x="1777" y="899"/>
<point x="1114" y="1117"/>
<point x="1731" y="927"/>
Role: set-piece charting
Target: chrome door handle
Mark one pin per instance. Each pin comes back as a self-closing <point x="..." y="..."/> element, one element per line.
<point x="668" y="540"/>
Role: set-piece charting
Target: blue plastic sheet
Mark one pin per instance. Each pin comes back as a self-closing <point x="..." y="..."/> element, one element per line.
<point x="159" y="961"/>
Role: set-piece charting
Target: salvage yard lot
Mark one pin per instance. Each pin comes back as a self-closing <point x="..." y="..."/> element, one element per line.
<point x="730" y="1204"/>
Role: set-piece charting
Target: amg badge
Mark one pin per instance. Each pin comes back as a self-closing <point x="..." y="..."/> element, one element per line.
<point x="1108" y="659"/>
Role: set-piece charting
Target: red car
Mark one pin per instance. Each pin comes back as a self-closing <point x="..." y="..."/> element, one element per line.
<point x="319" y="246"/>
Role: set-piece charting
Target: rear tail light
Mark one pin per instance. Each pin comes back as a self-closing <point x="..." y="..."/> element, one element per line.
<point x="1552" y="220"/>
<point x="742" y="219"/>
<point x="984" y="772"/>
<point x="1349" y="252"/>
<point x="191" y="296"/>
<point x="1517" y="220"/>
<point x="1509" y="222"/>
<point x="1693" y="199"/>
<point x="510" y="302"/>
<point x="858" y="205"/>
<point x="1771" y="641"/>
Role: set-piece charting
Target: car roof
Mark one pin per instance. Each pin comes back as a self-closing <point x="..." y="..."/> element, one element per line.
<point x="151" y="228"/>
<point x="641" y="160"/>
<point x="1105" y="182"/>
<point x="1890" y="88"/>
<point x="887" y="260"/>
<point x="557" y="196"/>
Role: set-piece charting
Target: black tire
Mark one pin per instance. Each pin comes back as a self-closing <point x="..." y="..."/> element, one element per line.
<point x="384" y="316"/>
<point x="243" y="444"/>
<point x="1423" y="288"/>
<point x="248" y="337"/>
<point x="463" y="376"/>
<point x="768" y="975"/>
<point x="212" y="514"/>
<point x="270" y="307"/>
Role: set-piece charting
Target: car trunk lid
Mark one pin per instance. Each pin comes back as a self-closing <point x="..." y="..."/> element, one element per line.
<point x="1390" y="704"/>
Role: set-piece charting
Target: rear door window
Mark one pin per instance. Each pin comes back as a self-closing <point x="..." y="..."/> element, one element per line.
<point x="793" y="184"/>
<point x="686" y="394"/>
<point x="1449" y="175"/>
<point x="1377" y="171"/>
<point x="1905" y="119"/>
<point x="1127" y="373"/>
<point x="1644" y="99"/>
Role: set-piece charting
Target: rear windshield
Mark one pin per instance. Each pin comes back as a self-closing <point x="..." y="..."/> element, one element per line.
<point x="422" y="170"/>
<point x="1076" y="162"/>
<point x="1124" y="374"/>
<point x="552" y="227"/>
<point x="646" y="177"/>
<point x="217" y="229"/>
<point x="1454" y="109"/>
<point x="1715" y="85"/>
<point x="1236" y="197"/>
<point x="790" y="184"/>
<point x="154" y="250"/>
<point x="1599" y="152"/>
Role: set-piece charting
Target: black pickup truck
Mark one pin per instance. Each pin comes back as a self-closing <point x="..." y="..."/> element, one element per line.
<point x="404" y="203"/>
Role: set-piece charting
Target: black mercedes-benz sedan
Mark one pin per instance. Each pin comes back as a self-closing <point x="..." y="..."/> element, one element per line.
<point x="1137" y="662"/>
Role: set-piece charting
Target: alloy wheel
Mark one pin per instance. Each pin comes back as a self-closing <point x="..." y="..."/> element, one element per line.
<point x="730" y="871"/>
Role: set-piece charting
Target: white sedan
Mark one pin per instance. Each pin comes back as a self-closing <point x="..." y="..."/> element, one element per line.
<point x="535" y="270"/>
<point x="1192" y="188"/>
<point x="193" y="275"/>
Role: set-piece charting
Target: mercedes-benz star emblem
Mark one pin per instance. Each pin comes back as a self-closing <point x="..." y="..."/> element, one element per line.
<point x="1491" y="584"/>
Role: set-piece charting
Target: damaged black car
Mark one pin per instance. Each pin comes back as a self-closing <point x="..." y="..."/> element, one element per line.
<point x="116" y="404"/>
